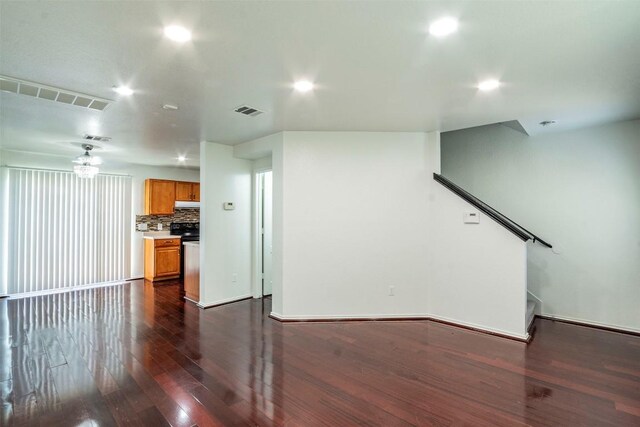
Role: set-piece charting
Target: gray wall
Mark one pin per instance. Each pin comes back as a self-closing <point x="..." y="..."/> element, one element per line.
<point x="579" y="190"/>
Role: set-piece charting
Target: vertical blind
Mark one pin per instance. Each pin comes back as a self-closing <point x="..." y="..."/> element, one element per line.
<point x="64" y="231"/>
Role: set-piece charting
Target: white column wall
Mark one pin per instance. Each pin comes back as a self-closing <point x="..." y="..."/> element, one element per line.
<point x="225" y="235"/>
<point x="353" y="224"/>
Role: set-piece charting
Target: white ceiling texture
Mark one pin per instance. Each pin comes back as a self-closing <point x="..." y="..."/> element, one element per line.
<point x="375" y="66"/>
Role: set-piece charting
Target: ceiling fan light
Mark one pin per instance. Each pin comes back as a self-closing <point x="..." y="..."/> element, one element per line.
<point x="85" y="167"/>
<point x="85" y="171"/>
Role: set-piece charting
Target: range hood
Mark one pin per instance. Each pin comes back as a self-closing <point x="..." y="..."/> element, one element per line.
<point x="189" y="205"/>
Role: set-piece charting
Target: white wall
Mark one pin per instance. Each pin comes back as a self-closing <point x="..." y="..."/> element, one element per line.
<point x="478" y="272"/>
<point x="354" y="224"/>
<point x="138" y="174"/>
<point x="358" y="212"/>
<point x="580" y="190"/>
<point x="225" y="236"/>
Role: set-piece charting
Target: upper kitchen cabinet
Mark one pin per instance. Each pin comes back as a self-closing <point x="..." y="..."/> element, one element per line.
<point x="159" y="197"/>
<point x="187" y="191"/>
<point x="196" y="191"/>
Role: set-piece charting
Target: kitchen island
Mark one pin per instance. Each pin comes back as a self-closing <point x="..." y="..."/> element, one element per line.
<point x="191" y="275"/>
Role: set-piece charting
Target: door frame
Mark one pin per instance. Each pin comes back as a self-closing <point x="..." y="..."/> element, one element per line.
<point x="258" y="238"/>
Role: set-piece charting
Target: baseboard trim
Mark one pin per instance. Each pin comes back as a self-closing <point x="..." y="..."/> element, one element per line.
<point x="65" y="290"/>
<point x="589" y="325"/>
<point x="525" y="339"/>
<point x="224" y="301"/>
<point x="328" y="319"/>
<point x="387" y="318"/>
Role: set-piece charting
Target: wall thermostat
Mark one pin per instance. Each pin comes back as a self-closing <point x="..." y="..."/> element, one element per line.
<point x="471" y="218"/>
<point x="228" y="206"/>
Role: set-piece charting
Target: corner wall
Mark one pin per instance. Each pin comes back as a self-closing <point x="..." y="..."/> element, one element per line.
<point x="356" y="213"/>
<point x="579" y="190"/>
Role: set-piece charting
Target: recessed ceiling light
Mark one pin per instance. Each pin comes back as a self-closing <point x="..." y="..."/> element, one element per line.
<point x="181" y="158"/>
<point x="488" y="85"/>
<point x="303" y="86"/>
<point x="443" y="27"/>
<point x="123" y="90"/>
<point x="177" y="33"/>
<point x="169" y="107"/>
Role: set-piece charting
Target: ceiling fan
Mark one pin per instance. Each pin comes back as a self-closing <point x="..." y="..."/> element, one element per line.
<point x="87" y="165"/>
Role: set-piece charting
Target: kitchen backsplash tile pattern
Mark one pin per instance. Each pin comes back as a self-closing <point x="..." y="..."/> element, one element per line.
<point x="181" y="215"/>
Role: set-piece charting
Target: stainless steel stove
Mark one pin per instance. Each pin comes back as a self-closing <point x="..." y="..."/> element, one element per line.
<point x="188" y="232"/>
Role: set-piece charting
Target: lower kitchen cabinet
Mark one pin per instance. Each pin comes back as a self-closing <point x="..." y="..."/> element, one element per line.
<point x="161" y="259"/>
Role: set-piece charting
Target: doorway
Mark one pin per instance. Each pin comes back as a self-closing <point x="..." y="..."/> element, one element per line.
<point x="265" y="231"/>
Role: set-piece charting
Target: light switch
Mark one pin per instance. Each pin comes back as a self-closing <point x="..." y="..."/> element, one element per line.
<point x="471" y="218"/>
<point x="143" y="226"/>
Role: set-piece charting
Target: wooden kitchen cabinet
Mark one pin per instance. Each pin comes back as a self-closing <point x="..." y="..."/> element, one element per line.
<point x="196" y="191"/>
<point x="161" y="259"/>
<point x="187" y="191"/>
<point x="159" y="197"/>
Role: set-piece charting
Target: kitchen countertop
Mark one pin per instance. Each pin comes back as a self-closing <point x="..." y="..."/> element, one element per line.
<point x="159" y="235"/>
<point x="195" y="243"/>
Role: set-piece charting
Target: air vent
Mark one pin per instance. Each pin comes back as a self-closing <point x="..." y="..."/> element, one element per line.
<point x="37" y="90"/>
<point x="88" y="137"/>
<point x="248" y="111"/>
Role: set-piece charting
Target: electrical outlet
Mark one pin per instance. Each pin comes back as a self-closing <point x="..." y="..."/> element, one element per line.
<point x="392" y="290"/>
<point x="143" y="226"/>
<point x="159" y="226"/>
<point x="234" y="277"/>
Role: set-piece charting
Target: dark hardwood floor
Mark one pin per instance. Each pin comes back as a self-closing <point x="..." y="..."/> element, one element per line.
<point x="137" y="355"/>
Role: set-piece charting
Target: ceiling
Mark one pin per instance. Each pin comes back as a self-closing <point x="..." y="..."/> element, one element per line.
<point x="375" y="66"/>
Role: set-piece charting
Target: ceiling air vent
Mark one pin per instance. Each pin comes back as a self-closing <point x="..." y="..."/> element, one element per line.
<point x="248" y="111"/>
<point x="64" y="96"/>
<point x="88" y="137"/>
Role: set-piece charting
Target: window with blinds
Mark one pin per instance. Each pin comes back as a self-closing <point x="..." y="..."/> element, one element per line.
<point x="63" y="231"/>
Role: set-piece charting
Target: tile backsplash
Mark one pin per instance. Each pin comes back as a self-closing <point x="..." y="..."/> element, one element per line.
<point x="181" y="215"/>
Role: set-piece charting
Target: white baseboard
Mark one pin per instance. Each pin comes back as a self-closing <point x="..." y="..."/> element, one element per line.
<point x="409" y="316"/>
<point x="523" y="337"/>
<point x="591" y="323"/>
<point x="68" y="289"/>
<point x="224" y="301"/>
<point x="301" y="318"/>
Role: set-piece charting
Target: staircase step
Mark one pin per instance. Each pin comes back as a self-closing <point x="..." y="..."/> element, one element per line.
<point x="531" y="308"/>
